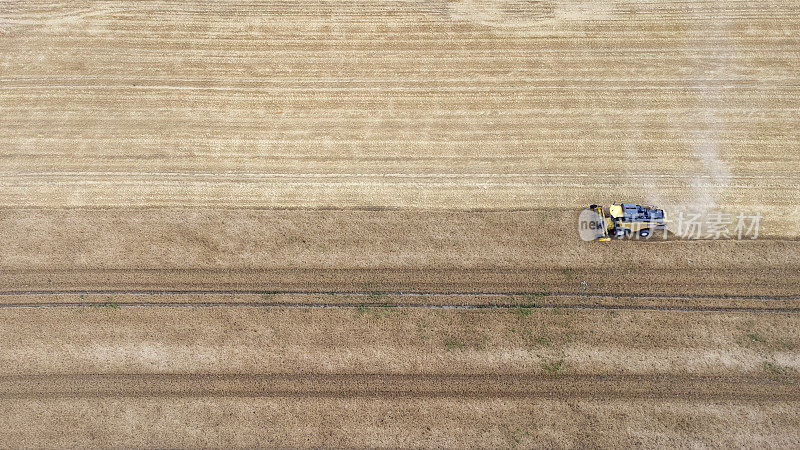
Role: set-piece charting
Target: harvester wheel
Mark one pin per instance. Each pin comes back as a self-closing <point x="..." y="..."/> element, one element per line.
<point x="644" y="232"/>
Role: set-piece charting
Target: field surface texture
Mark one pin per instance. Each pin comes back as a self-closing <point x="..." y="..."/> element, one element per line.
<point x="353" y="224"/>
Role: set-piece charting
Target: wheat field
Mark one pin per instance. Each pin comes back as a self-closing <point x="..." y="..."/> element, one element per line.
<point x="353" y="223"/>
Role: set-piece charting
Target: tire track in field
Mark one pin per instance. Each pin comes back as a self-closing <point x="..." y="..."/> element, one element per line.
<point x="396" y="305"/>
<point x="407" y="293"/>
<point x="719" y="283"/>
<point x="494" y="301"/>
<point x="376" y="385"/>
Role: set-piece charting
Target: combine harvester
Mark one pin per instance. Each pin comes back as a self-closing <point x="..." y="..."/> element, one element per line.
<point x="621" y="220"/>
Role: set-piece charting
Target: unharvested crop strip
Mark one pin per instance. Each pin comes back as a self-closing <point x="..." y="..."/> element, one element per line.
<point x="368" y="385"/>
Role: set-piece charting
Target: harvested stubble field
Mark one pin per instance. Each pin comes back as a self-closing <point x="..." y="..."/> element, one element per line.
<point x="353" y="223"/>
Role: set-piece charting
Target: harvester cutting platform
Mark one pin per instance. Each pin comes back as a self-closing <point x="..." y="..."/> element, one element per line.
<point x="621" y="220"/>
